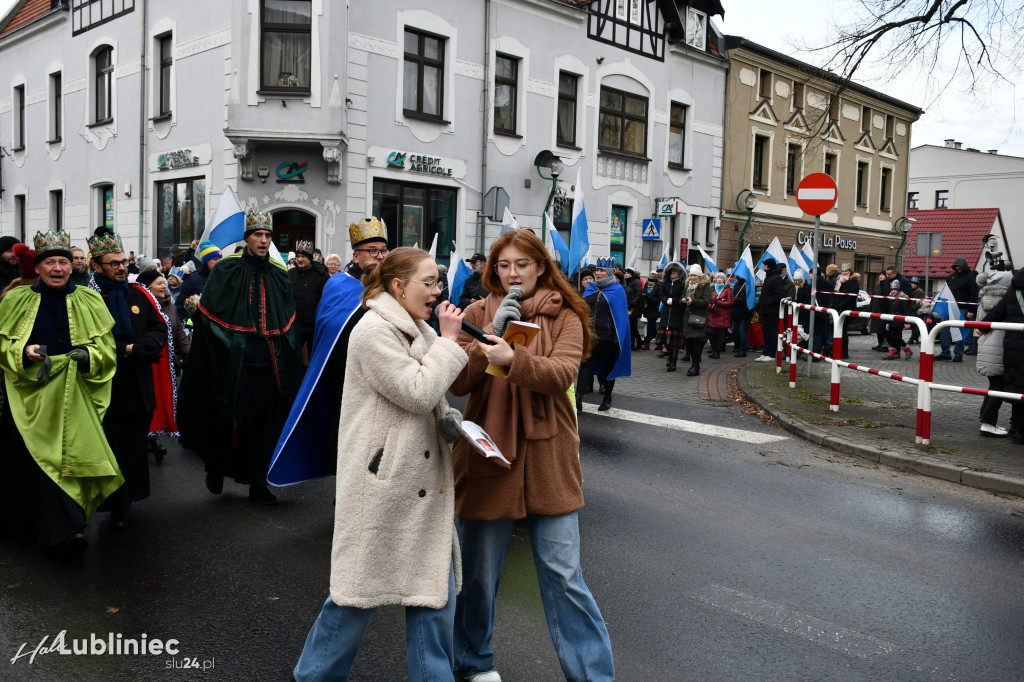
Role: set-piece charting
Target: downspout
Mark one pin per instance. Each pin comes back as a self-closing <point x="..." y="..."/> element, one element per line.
<point x="142" y="138"/>
<point x="481" y="220"/>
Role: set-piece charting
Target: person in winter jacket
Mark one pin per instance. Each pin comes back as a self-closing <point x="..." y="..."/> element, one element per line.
<point x="740" y="317"/>
<point x="635" y="300"/>
<point x="899" y="305"/>
<point x="964" y="287"/>
<point x="472" y="289"/>
<point x="993" y="287"/>
<point x="308" y="280"/>
<point x="695" y="317"/>
<point x="772" y="292"/>
<point x="652" y="308"/>
<point x="672" y="309"/>
<point x="395" y="540"/>
<point x="1010" y="308"/>
<point x="803" y="295"/>
<point x="844" y="297"/>
<point x="882" y="305"/>
<point x="720" y="315"/>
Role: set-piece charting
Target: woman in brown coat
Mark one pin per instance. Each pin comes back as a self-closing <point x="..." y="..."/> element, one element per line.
<point x="543" y="484"/>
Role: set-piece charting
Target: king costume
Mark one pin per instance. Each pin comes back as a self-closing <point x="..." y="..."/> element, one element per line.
<point x="60" y="467"/>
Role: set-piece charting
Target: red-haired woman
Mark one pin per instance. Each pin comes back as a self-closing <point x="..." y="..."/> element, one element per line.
<point x="531" y="418"/>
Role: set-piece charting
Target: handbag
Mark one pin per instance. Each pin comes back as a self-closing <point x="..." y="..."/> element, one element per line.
<point x="697" y="320"/>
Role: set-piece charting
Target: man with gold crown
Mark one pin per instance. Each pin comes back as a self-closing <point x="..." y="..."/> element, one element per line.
<point x="58" y="359"/>
<point x="308" y="447"/>
<point x="140" y="334"/>
<point x="244" y="366"/>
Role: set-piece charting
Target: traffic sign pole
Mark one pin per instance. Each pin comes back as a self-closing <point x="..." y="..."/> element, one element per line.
<point x="816" y="194"/>
<point x="814" y="290"/>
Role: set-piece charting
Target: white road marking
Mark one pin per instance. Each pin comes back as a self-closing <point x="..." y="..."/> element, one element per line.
<point x="795" y="623"/>
<point x="683" y="425"/>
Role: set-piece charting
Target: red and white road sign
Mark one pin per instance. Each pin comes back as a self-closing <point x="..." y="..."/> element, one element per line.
<point x="816" y="193"/>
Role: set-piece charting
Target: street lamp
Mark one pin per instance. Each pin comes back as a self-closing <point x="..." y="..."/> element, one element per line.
<point x="749" y="199"/>
<point x="554" y="166"/>
<point x="902" y="227"/>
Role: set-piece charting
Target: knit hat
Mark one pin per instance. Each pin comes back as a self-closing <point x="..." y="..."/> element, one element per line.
<point x="26" y="261"/>
<point x="799" y="274"/>
<point x="846" y="266"/>
<point x="586" y="272"/>
<point x="895" y="284"/>
<point x="208" y="251"/>
<point x="148" y="277"/>
<point x="7" y="243"/>
<point x="769" y="264"/>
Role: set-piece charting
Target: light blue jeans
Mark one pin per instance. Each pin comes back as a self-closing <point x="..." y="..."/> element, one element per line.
<point x="946" y="339"/>
<point x="577" y="629"/>
<point x="338" y="631"/>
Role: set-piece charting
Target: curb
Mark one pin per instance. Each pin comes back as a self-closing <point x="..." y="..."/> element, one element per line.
<point x="982" y="480"/>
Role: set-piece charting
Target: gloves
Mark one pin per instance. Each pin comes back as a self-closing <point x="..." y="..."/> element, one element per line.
<point x="81" y="358"/>
<point x="669" y="301"/>
<point x="506" y="312"/>
<point x="450" y="426"/>
<point x="43" y="375"/>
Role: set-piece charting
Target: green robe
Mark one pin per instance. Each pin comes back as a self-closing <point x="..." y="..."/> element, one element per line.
<point x="61" y="422"/>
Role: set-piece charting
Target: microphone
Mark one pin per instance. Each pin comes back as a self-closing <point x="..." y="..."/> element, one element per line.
<point x="476" y="332"/>
<point x="515" y="291"/>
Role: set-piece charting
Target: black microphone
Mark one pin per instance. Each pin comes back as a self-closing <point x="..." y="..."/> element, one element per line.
<point x="476" y="332"/>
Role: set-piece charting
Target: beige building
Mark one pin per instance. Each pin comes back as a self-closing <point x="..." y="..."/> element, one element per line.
<point x="783" y="122"/>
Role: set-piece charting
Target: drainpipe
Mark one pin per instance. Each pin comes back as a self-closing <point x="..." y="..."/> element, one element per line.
<point x="481" y="220"/>
<point x="142" y="138"/>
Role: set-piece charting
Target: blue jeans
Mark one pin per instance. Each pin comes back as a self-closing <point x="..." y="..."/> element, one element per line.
<point x="946" y="339"/>
<point x="739" y="334"/>
<point x="577" y="629"/>
<point x="338" y="631"/>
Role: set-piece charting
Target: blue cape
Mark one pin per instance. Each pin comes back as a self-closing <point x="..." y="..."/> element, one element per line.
<point x="307" y="449"/>
<point x="616" y="296"/>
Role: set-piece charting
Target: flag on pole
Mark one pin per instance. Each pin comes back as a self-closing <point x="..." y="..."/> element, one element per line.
<point x="556" y="241"/>
<point x="433" y="248"/>
<point x="579" y="241"/>
<point x="776" y="252"/>
<point x="796" y="260"/>
<point x="228" y="224"/>
<point x="664" y="257"/>
<point x="458" y="273"/>
<point x="508" y="222"/>
<point x="744" y="269"/>
<point x="632" y="259"/>
<point x="945" y="307"/>
<point x="707" y="260"/>
<point x="808" y="255"/>
<point x="274" y="253"/>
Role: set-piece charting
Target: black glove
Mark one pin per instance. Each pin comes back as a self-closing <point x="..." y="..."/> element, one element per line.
<point x="450" y="426"/>
<point x="43" y="375"/>
<point x="81" y="357"/>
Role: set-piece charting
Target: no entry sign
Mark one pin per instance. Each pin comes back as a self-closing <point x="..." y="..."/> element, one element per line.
<point x="816" y="193"/>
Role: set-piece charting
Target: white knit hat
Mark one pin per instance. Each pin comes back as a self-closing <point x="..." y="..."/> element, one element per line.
<point x="695" y="269"/>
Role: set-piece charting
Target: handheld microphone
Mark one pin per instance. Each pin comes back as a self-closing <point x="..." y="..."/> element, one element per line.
<point x="515" y="291"/>
<point x="476" y="332"/>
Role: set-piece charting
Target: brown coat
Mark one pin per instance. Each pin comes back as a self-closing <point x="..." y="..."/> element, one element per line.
<point x="545" y="477"/>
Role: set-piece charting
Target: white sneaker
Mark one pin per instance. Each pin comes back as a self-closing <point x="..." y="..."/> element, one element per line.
<point x="489" y="676"/>
<point x="993" y="430"/>
<point x="764" y="358"/>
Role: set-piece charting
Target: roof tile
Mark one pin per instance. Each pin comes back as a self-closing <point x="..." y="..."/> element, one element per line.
<point x="962" y="231"/>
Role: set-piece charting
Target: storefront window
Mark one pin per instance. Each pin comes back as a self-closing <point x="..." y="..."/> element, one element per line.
<point x="181" y="212"/>
<point x="414" y="213"/>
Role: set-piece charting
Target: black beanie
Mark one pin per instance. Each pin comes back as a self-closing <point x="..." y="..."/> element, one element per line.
<point x="7" y="243"/>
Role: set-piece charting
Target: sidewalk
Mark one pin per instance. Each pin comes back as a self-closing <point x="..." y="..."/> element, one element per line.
<point x="876" y="416"/>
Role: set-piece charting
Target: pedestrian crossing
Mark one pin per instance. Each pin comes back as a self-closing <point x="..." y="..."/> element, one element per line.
<point x="700" y="428"/>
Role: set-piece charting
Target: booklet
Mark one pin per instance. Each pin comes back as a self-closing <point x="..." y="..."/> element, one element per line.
<point x="520" y="333"/>
<point x="483" y="443"/>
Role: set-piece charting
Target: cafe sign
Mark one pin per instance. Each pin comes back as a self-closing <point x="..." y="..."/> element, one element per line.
<point x="834" y="241"/>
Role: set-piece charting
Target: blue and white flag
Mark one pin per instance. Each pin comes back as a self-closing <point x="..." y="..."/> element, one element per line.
<point x="775" y="252"/>
<point x="945" y="307"/>
<point x="556" y="241"/>
<point x="632" y="259"/>
<point x="433" y="248"/>
<point x="508" y="222"/>
<point x="707" y="260"/>
<point x="458" y="273"/>
<point x="744" y="269"/>
<point x="228" y="224"/>
<point x="796" y="261"/>
<point x="579" y="241"/>
<point x="664" y="257"/>
<point x="808" y="255"/>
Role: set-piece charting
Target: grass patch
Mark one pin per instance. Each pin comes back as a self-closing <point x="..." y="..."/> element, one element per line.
<point x="853" y="401"/>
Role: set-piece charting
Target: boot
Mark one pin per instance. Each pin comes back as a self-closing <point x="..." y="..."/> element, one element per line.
<point x="607" y="402"/>
<point x="157" y="448"/>
<point x="892" y="354"/>
<point x="673" y="355"/>
<point x="694" y="370"/>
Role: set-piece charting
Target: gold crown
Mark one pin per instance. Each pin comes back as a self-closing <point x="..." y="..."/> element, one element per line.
<point x="108" y="242"/>
<point x="366" y="230"/>
<point x="304" y="246"/>
<point x="258" y="220"/>
<point x="51" y="241"/>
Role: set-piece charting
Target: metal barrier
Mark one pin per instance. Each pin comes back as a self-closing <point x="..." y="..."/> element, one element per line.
<point x="787" y="342"/>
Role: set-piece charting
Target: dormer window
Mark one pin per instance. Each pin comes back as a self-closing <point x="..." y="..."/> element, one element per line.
<point x="696" y="29"/>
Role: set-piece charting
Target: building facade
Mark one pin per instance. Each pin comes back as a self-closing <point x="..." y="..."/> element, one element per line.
<point x="324" y="113"/>
<point x="785" y="120"/>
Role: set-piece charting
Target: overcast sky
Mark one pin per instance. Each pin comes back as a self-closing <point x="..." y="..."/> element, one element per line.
<point x="983" y="120"/>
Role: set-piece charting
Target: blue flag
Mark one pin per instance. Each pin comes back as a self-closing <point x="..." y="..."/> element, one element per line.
<point x="556" y="241"/>
<point x="744" y="269"/>
<point x="579" y="241"/>
<point x="461" y="273"/>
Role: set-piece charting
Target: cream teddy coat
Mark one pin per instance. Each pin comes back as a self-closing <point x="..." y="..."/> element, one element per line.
<point x="394" y="530"/>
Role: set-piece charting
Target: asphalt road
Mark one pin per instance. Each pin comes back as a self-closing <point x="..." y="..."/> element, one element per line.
<point x="712" y="555"/>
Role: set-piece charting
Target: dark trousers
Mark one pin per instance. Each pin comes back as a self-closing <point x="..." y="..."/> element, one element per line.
<point x="895" y="335"/>
<point x="694" y="347"/>
<point x="259" y="418"/>
<point x="34" y="506"/>
<point x="127" y="435"/>
<point x="652" y="330"/>
<point x="739" y="333"/>
<point x="603" y="354"/>
<point x="717" y="337"/>
<point x="634" y="333"/>
<point x="770" y="327"/>
<point x="990" y="406"/>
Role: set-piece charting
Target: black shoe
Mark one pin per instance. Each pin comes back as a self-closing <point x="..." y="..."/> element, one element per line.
<point x="119" y="519"/>
<point x="600" y="389"/>
<point x="605" y="404"/>
<point x="1016" y="437"/>
<point x="741" y="354"/>
<point x="970" y="352"/>
<point x="261" y="494"/>
<point x="881" y="349"/>
<point x="685" y="358"/>
<point x="958" y="358"/>
<point x="76" y="543"/>
<point x="693" y="371"/>
<point x="671" y="367"/>
<point x="214" y="483"/>
<point x="942" y="358"/>
<point x="158" y="449"/>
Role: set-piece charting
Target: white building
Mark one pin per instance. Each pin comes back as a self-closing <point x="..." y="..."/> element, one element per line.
<point x="953" y="176"/>
<point x="139" y="114"/>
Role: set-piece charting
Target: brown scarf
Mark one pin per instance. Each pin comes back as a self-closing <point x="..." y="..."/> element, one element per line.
<point x="535" y="413"/>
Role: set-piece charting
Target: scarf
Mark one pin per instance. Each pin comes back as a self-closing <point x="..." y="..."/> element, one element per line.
<point x="535" y="413"/>
<point x="843" y="279"/>
<point x="114" y="293"/>
<point x="690" y="288"/>
<point x="718" y="288"/>
<point x="605" y="283"/>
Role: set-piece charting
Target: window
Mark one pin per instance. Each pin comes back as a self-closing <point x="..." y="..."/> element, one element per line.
<point x="86" y="14"/>
<point x="885" y="195"/>
<point x="56" y="107"/>
<point x="831" y="165"/>
<point x="865" y="119"/>
<point x="696" y="223"/>
<point x="709" y="230"/>
<point x="792" y="157"/>
<point x="19" y="117"/>
<point x="696" y="32"/>
<point x="506" y="90"/>
<point x="423" y="90"/>
<point x="760" y="177"/>
<point x="912" y="201"/>
<point x="415" y="213"/>
<point x="103" y="64"/>
<point x="623" y="123"/>
<point x="677" y="135"/>
<point x="285" y="45"/>
<point x="164" y="80"/>
<point x="765" y="89"/>
<point x="568" y="84"/>
<point x="181" y="211"/>
<point x="798" y="95"/>
<point x="56" y="210"/>
<point x="863" y="171"/>
<point x="942" y="198"/>
<point x="19" y="216"/>
<point x="103" y="205"/>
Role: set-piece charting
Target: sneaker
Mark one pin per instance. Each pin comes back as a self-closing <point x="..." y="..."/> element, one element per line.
<point x="765" y="358"/>
<point x="909" y="353"/>
<point x="940" y="358"/>
<point x="489" y="676"/>
<point x="993" y="431"/>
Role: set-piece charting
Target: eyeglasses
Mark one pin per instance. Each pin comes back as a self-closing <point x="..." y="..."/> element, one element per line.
<point x="374" y="252"/>
<point x="115" y="264"/>
<point x="430" y="283"/>
<point x="503" y="267"/>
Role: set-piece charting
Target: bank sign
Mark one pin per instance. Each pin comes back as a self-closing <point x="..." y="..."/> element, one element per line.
<point x="180" y="159"/>
<point x="834" y="241"/>
<point x="419" y="163"/>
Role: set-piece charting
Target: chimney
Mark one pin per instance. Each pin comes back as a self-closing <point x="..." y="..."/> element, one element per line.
<point x="949" y="143"/>
<point x="993" y="151"/>
<point x="958" y="145"/>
